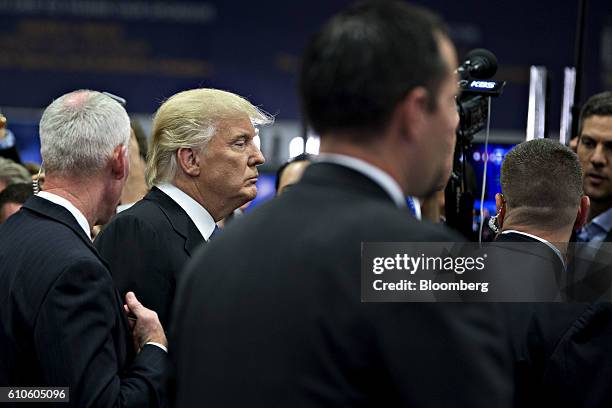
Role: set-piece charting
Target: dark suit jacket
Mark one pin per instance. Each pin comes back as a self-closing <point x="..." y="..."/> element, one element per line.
<point x="592" y="277"/>
<point x="536" y="328"/>
<point x="62" y="322"/>
<point x="523" y="269"/>
<point x="579" y="372"/>
<point x="277" y="319"/>
<point x="146" y="247"/>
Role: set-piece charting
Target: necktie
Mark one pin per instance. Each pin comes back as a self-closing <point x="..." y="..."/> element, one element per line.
<point x="217" y="230"/>
<point x="411" y="206"/>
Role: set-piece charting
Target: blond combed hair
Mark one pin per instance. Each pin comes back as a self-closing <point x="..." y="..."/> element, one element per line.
<point x="189" y="119"/>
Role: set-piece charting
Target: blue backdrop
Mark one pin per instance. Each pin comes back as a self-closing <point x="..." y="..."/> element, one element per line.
<point x="148" y="50"/>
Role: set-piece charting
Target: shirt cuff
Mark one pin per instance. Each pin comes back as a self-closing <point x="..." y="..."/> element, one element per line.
<point x="161" y="346"/>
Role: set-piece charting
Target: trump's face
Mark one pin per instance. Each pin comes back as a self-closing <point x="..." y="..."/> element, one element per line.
<point x="229" y="164"/>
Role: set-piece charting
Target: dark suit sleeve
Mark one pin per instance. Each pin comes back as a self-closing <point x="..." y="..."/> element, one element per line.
<point x="579" y="372"/>
<point x="139" y="262"/>
<point x="77" y="339"/>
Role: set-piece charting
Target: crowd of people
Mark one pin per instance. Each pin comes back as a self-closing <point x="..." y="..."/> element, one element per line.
<point x="117" y="281"/>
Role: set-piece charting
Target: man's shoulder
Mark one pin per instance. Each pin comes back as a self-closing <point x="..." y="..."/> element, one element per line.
<point x="28" y="229"/>
<point x="36" y="258"/>
<point x="364" y="214"/>
<point x="146" y="208"/>
<point x="338" y="224"/>
<point x="144" y="227"/>
<point x="145" y="215"/>
<point x="393" y="220"/>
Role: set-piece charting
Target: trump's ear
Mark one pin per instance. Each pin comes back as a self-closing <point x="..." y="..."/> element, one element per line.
<point x="120" y="162"/>
<point x="189" y="161"/>
<point x="583" y="213"/>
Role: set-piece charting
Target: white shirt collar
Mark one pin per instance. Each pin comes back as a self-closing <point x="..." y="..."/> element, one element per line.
<point x="551" y="246"/>
<point x="417" y="207"/>
<point x="384" y="180"/>
<point x="123" y="207"/>
<point x="61" y="201"/>
<point x="203" y="221"/>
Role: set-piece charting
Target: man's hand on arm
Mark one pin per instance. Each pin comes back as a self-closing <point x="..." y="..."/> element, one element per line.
<point x="146" y="327"/>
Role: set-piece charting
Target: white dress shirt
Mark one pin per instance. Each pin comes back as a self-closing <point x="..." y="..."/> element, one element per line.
<point x="202" y="219"/>
<point x="123" y="207"/>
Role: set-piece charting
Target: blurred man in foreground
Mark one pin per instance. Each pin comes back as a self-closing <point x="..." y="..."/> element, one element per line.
<point x="62" y="322"/>
<point x="202" y="165"/>
<point x="290" y="329"/>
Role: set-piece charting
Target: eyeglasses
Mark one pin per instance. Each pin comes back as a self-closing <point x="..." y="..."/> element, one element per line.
<point x="121" y="101"/>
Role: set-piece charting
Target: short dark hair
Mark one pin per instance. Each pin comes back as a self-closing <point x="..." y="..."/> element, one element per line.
<point x="598" y="104"/>
<point x="16" y="193"/>
<point x="541" y="181"/>
<point x="365" y="61"/>
<point x="301" y="157"/>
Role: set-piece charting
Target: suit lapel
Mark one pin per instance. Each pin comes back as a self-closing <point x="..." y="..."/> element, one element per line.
<point x="193" y="239"/>
<point x="178" y="218"/>
<point x="58" y="213"/>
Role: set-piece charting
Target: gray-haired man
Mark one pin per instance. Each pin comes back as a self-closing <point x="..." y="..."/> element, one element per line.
<point x="62" y="323"/>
